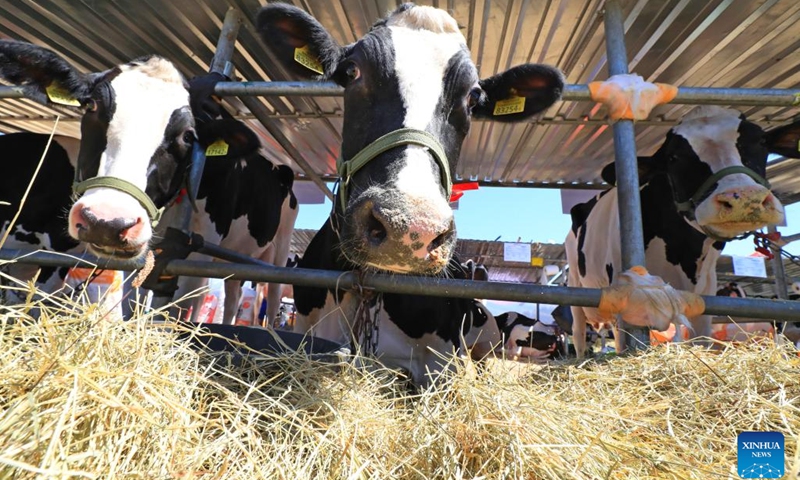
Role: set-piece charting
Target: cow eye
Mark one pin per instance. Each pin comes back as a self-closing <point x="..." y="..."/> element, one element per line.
<point x="352" y="72"/>
<point x="474" y="97"/>
<point x="188" y="136"/>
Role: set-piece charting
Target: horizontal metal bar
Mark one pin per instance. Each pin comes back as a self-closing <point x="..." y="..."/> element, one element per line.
<point x="686" y="95"/>
<point x="11" y="92"/>
<point x="278" y="89"/>
<point x="229" y="255"/>
<point x="445" y="287"/>
<point x="496" y="183"/>
<point x="726" y="319"/>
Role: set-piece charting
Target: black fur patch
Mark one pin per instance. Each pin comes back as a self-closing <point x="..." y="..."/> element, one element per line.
<point x="49" y="200"/>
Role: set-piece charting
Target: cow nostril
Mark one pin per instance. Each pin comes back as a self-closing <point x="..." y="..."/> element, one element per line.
<point x="726" y="204"/>
<point x="127" y="225"/>
<point x="376" y="230"/>
<point x="768" y="202"/>
<point x="442" y="239"/>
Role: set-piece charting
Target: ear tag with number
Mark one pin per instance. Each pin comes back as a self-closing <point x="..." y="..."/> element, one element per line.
<point x="304" y="57"/>
<point x="217" y="149"/>
<point x="509" y="106"/>
<point x="61" y="96"/>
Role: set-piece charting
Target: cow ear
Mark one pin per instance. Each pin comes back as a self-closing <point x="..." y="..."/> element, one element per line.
<point x="232" y="138"/>
<point x="286" y="176"/>
<point x="298" y="40"/>
<point x="41" y="72"/>
<point x="519" y="93"/>
<point x="648" y="168"/>
<point x="205" y="107"/>
<point x="785" y="140"/>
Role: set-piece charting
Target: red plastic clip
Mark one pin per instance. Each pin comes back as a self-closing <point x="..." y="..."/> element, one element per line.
<point x="460" y="188"/>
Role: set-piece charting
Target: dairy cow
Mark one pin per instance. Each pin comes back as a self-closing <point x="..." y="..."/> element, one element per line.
<point x="245" y="201"/>
<point x="411" y="91"/>
<point x="704" y="186"/>
<point x="137" y="132"/>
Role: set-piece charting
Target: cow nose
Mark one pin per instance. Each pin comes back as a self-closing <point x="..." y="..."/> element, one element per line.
<point x="422" y="233"/>
<point x="749" y="198"/>
<point x="101" y="231"/>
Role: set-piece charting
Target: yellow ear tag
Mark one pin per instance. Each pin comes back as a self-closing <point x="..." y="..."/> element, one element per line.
<point x="509" y="106"/>
<point x="61" y="96"/>
<point x="304" y="57"/>
<point x="217" y="149"/>
<point x="537" y="262"/>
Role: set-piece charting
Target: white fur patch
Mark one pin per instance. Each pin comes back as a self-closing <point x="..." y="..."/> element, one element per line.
<point x="712" y="133"/>
<point x="421" y="58"/>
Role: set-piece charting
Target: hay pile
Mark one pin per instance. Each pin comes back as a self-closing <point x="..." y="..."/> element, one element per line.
<point x="86" y="397"/>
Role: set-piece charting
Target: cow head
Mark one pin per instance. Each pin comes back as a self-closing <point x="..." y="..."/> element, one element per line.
<point x="411" y="78"/>
<point x="715" y="161"/>
<point x="137" y="133"/>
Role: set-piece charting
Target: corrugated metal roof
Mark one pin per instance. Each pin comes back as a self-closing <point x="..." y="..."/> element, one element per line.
<point x="714" y="43"/>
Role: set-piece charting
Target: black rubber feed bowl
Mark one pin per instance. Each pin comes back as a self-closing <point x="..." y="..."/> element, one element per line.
<point x="224" y="338"/>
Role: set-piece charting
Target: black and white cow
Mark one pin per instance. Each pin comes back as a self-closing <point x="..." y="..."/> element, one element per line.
<point x="410" y="75"/>
<point x="527" y="337"/>
<point x="137" y="133"/>
<point x="695" y="196"/>
<point x="245" y="201"/>
<point x="245" y="204"/>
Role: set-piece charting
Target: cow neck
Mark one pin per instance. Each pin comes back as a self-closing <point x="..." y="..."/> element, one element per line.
<point x="682" y="237"/>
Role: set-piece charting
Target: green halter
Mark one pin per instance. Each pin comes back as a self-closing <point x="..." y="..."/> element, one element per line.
<point x="689" y="205"/>
<point x="404" y="136"/>
<point x="123" y="186"/>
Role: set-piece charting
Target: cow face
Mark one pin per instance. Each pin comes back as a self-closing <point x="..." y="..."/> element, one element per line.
<point x="697" y="157"/>
<point x="411" y="70"/>
<point x="137" y="127"/>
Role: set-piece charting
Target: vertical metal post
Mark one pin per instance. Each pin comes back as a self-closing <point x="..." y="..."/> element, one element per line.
<point x="777" y="270"/>
<point x="630" y="216"/>
<point x="220" y="64"/>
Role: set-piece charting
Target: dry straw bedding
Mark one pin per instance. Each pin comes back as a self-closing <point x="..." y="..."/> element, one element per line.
<point x="82" y="396"/>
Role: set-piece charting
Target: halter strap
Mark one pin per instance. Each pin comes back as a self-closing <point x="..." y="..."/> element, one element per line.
<point x="404" y="136"/>
<point x="689" y="205"/>
<point x="123" y="186"/>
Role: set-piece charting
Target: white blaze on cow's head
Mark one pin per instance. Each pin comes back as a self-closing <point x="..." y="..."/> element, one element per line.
<point x="137" y="131"/>
<point x="412" y="70"/>
<point x="715" y="161"/>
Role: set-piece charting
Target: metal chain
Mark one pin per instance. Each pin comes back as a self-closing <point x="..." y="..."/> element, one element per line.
<point x="366" y="328"/>
<point x="765" y="244"/>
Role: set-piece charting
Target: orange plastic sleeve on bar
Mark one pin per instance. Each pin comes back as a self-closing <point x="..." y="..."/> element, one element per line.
<point x="633" y="101"/>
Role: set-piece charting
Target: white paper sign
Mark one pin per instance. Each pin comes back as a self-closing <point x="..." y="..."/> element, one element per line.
<point x="517" y="252"/>
<point x="749" y="266"/>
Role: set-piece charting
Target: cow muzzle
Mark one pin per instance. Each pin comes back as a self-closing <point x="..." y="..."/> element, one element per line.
<point x="111" y="224"/>
<point x="401" y="240"/>
<point x="739" y="209"/>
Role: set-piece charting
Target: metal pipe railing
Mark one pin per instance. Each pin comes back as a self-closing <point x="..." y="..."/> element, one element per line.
<point x="221" y="63"/>
<point x="11" y="92"/>
<point x="781" y="310"/>
<point x="627" y="172"/>
<point x="757" y="97"/>
<point x="777" y="97"/>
